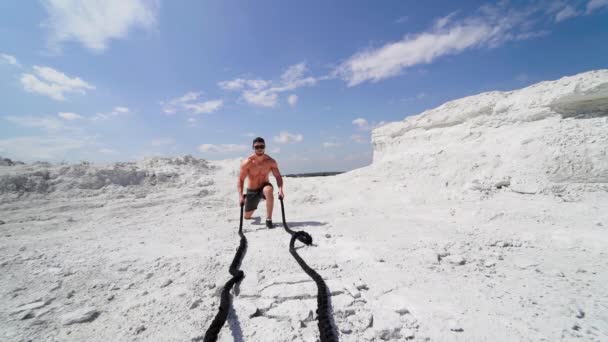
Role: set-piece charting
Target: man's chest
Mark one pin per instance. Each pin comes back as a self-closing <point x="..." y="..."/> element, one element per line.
<point x="259" y="167"/>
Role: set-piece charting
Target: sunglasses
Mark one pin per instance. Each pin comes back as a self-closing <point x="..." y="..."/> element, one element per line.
<point x="259" y="147"/>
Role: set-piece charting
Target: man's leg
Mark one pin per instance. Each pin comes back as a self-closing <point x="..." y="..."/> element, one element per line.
<point x="251" y="203"/>
<point x="269" y="201"/>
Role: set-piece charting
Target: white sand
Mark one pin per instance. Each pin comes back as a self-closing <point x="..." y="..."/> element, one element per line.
<point x="483" y="219"/>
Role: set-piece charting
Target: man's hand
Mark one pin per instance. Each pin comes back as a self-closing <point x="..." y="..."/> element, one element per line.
<point x="281" y="194"/>
<point x="242" y="200"/>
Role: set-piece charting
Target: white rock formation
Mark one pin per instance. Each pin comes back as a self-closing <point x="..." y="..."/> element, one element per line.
<point x="548" y="137"/>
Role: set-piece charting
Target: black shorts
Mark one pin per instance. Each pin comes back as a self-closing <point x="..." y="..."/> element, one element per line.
<point x="254" y="196"/>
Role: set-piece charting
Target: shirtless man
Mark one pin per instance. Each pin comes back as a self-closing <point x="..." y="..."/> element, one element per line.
<point x="257" y="167"/>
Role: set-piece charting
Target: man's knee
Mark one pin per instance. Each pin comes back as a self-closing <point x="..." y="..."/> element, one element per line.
<point x="248" y="214"/>
<point x="268" y="191"/>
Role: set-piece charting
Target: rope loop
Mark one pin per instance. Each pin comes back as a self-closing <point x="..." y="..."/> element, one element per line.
<point x="225" y="301"/>
<point x="304" y="237"/>
<point x="327" y="328"/>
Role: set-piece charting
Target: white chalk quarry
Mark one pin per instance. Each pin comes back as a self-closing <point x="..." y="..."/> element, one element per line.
<point x="483" y="219"/>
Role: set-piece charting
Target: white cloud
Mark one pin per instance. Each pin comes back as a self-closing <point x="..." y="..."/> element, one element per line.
<point x="392" y="58"/>
<point x="8" y="59"/>
<point x="444" y="21"/>
<point x="285" y="138"/>
<point x="117" y="111"/>
<point x="292" y="99"/>
<point x="222" y="148"/>
<point x="264" y="93"/>
<point x="41" y="148"/>
<point x="187" y="97"/>
<point x="108" y="151"/>
<point x="595" y="5"/>
<point x="58" y="140"/>
<point x="162" y="142"/>
<point x="69" y="116"/>
<point x="250" y="134"/>
<point x="236" y="84"/>
<point x="53" y="83"/>
<point x="261" y="98"/>
<point x="188" y="102"/>
<point x="566" y="13"/>
<point x="204" y="107"/>
<point x="121" y="110"/>
<point x="361" y="123"/>
<point x="275" y="150"/>
<point x="172" y="106"/>
<point x="331" y="142"/>
<point x="94" y="23"/>
<point x="364" y="125"/>
<point x="240" y="83"/>
<point x="293" y="78"/>
<point x="47" y="123"/>
<point x="490" y="27"/>
<point x="358" y="139"/>
<point x="294" y="73"/>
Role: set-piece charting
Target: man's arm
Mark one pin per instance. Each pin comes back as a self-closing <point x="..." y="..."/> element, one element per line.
<point x="277" y="176"/>
<point x="242" y="176"/>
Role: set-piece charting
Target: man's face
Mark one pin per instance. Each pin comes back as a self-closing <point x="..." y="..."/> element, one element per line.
<point x="259" y="148"/>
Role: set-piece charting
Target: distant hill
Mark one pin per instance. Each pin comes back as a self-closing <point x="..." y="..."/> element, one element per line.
<point x="313" y="174"/>
<point x="8" y="162"/>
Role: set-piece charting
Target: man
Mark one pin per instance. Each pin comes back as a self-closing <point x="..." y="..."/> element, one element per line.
<point x="257" y="167"/>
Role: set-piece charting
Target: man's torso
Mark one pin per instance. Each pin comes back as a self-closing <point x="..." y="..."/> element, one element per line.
<point x="258" y="171"/>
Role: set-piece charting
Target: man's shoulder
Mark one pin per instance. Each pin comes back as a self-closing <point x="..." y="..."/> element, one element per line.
<point x="247" y="161"/>
<point x="270" y="159"/>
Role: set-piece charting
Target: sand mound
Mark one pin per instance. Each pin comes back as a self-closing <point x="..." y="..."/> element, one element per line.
<point x="46" y="177"/>
<point x="550" y="137"/>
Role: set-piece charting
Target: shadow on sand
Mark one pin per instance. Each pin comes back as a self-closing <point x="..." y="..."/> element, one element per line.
<point x="235" y="325"/>
<point x="257" y="221"/>
<point x="305" y="224"/>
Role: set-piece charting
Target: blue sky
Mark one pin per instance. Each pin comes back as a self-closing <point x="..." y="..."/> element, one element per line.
<point x="125" y="79"/>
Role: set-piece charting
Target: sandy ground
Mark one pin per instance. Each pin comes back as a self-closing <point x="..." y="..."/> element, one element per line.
<point x="479" y="225"/>
<point x="509" y="267"/>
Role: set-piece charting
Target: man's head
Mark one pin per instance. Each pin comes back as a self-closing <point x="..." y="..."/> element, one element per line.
<point x="258" y="146"/>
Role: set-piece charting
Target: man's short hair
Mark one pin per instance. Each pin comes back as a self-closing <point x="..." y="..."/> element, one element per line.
<point x="258" y="139"/>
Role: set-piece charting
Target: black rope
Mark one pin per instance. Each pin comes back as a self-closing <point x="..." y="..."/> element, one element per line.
<point x="237" y="275"/>
<point x="327" y="330"/>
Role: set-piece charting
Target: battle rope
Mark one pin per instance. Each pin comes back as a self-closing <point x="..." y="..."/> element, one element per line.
<point x="327" y="331"/>
<point x="237" y="275"/>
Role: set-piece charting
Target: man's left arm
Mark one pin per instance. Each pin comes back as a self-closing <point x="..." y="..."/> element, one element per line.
<point x="277" y="176"/>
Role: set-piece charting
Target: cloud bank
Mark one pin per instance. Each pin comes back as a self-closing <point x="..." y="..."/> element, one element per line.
<point x="265" y="93"/>
<point x="95" y="23"/>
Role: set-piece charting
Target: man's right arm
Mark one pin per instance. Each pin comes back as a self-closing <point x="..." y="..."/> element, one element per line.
<point x="242" y="176"/>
